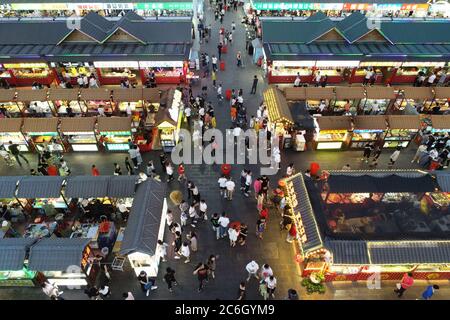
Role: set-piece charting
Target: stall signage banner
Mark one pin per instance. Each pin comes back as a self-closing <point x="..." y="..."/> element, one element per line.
<point x="388" y="7"/>
<point x="289" y="6"/>
<point x="358" y="6"/>
<point x="161" y="64"/>
<point x="164" y="6"/>
<point x="116" y="64"/>
<point x="39" y="6"/>
<point x="415" y="7"/>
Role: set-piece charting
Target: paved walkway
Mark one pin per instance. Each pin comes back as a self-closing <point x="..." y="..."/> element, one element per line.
<point x="231" y="263"/>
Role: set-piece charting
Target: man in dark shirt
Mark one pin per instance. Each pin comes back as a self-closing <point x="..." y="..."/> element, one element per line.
<point x="14" y="149"/>
<point x="255" y="84"/>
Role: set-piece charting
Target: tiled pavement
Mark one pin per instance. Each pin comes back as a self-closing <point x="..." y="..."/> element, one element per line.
<point x="231" y="263"/>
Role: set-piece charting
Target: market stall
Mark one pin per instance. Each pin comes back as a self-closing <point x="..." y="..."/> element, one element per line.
<point x="9" y="105"/>
<point x="347" y="100"/>
<point x="42" y="192"/>
<point x="10" y="130"/>
<point x="419" y="98"/>
<point x="402" y="130"/>
<point x="66" y="102"/>
<point x="36" y="103"/>
<point x="280" y="117"/>
<point x="27" y="73"/>
<point x="129" y="98"/>
<point x="368" y="129"/>
<point x="42" y="133"/>
<point x="163" y="72"/>
<point x="318" y="97"/>
<point x="114" y="133"/>
<point x="63" y="261"/>
<point x="145" y="227"/>
<point x="377" y="101"/>
<point x="441" y="104"/>
<point x="409" y="70"/>
<point x="97" y="101"/>
<point x="286" y="71"/>
<point x="113" y="72"/>
<point x="70" y="71"/>
<point x="384" y="70"/>
<point x="440" y="123"/>
<point x="13" y="271"/>
<point x="332" y="133"/>
<point x="78" y="134"/>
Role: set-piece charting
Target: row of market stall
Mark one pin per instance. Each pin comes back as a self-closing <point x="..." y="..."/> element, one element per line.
<point x="345" y="50"/>
<point x="130" y="48"/>
<point x="354" y="224"/>
<point x="151" y="128"/>
<point x="345" y="132"/>
<point x="57" y="247"/>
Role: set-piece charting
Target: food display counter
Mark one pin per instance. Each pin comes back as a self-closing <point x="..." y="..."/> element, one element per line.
<point x="337" y="71"/>
<point x="377" y="100"/>
<point x="418" y="97"/>
<point x="114" y="132"/>
<point x="78" y="133"/>
<point x="66" y="101"/>
<point x="91" y="100"/>
<point x="440" y="124"/>
<point x="408" y="71"/>
<point x="132" y="98"/>
<point x="287" y="71"/>
<point x="57" y="203"/>
<point x="70" y="71"/>
<point x="9" y="104"/>
<point x="383" y="71"/>
<point x="402" y="130"/>
<point x="332" y="133"/>
<point x="441" y="102"/>
<point x="25" y="74"/>
<point x="165" y="72"/>
<point x="36" y="102"/>
<point x="10" y="130"/>
<point x="315" y="97"/>
<point x="368" y="129"/>
<point x="42" y="133"/>
<point x="347" y="100"/>
<point x="113" y="72"/>
<point x="168" y="121"/>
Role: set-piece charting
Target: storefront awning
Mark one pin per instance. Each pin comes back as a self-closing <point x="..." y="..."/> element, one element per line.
<point x="13" y="252"/>
<point x="418" y="93"/>
<point x="443" y="180"/>
<point x="77" y="124"/>
<point x="87" y="186"/>
<point x="302" y="119"/>
<point x="370" y="122"/>
<point x="277" y="106"/>
<point x="121" y="186"/>
<point x="151" y="94"/>
<point x="404" y="122"/>
<point x="442" y="92"/>
<point x="27" y="95"/>
<point x="313" y="93"/>
<point x="40" y="125"/>
<point x="348" y="252"/>
<point x="96" y="94"/>
<point x="10" y="124"/>
<point x="8" y="186"/>
<point x="7" y="95"/>
<point x="343" y="93"/>
<point x="40" y="187"/>
<point x="440" y="121"/>
<point x="295" y="94"/>
<point x="127" y="94"/>
<point x="57" y="254"/>
<point x="409" y="252"/>
<point x="114" y="124"/>
<point x="334" y="123"/>
<point x="163" y="117"/>
<point x="380" y="93"/>
<point x="63" y="94"/>
<point x="141" y="233"/>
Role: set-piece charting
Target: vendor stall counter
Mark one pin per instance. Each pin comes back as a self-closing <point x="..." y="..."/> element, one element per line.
<point x="332" y="133"/>
<point x="441" y="104"/>
<point x="377" y="101"/>
<point x="367" y="129"/>
<point x="10" y="130"/>
<point x="37" y="102"/>
<point x="114" y="133"/>
<point x="66" y="102"/>
<point x="347" y="100"/>
<point x="113" y="72"/>
<point x="42" y="133"/>
<point x="409" y="70"/>
<point x="384" y="70"/>
<point x="70" y="71"/>
<point x="78" y="133"/>
<point x="27" y="73"/>
<point x="96" y="101"/>
<point x="402" y="130"/>
<point x="9" y="105"/>
<point x="316" y="98"/>
<point x="280" y="117"/>
<point x="420" y="98"/>
<point x="440" y="124"/>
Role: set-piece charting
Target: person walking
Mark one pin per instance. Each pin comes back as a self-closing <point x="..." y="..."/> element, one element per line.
<point x="128" y="296"/>
<point x="233" y="234"/>
<point x="186" y="252"/>
<point x="211" y="263"/>
<point x="202" y="275"/>
<point x="15" y="151"/>
<point x="222" y="186"/>
<point x="169" y="171"/>
<point x="214" y="64"/>
<point x="219" y="50"/>
<point x="214" y="78"/>
<point x="394" y="157"/>
<point x="421" y="149"/>
<point x="146" y="282"/>
<point x="224" y="221"/>
<point x="260" y="227"/>
<point x="230" y="185"/>
<point x="407" y="282"/>
<point x="177" y="243"/>
<point x="193" y="241"/>
<point x="271" y="282"/>
<point x="254" y="85"/>
<point x="169" y="278"/>
<point x="252" y="268"/>
<point x="203" y="207"/>
<point x="128" y="166"/>
<point x="241" y="292"/>
<point x="215" y="224"/>
<point x="161" y="250"/>
<point x="219" y="92"/>
<point x="105" y="292"/>
<point x="292" y="234"/>
<point x="243" y="233"/>
<point x="367" y="152"/>
<point x="429" y="292"/>
<point x="266" y="271"/>
<point x="193" y="214"/>
<point x="181" y="173"/>
<point x="239" y="59"/>
<point x="117" y="170"/>
<point x="94" y="171"/>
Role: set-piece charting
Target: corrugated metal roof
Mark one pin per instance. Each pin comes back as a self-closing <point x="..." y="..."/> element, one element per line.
<point x="404" y="121"/>
<point x="77" y="124"/>
<point x="348" y="252"/>
<point x="10" y="124"/>
<point x="313" y="237"/>
<point x="343" y="93"/>
<point x="409" y="252"/>
<point x="121" y="186"/>
<point x="380" y="93"/>
<point x="151" y="94"/>
<point x="13" y="252"/>
<point x="295" y="93"/>
<point x="418" y="93"/>
<point x="127" y="94"/>
<point x="63" y="94"/>
<point x="95" y="94"/>
<point x="87" y="186"/>
<point x="370" y="122"/>
<point x="440" y="121"/>
<point x="141" y="233"/>
<point x="405" y="173"/>
<point x="31" y="95"/>
<point x="442" y="92"/>
<point x="114" y="124"/>
<point x="40" y="125"/>
<point x="334" y="123"/>
<point x="313" y="93"/>
<point x="40" y="187"/>
<point x="277" y="105"/>
<point x="57" y="254"/>
<point x="7" y="95"/>
<point x="8" y="186"/>
<point x="443" y="180"/>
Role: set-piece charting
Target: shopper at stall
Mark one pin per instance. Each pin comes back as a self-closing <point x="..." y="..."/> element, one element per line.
<point x="420" y="150"/>
<point x="128" y="166"/>
<point x="202" y="275"/>
<point x="271" y="286"/>
<point x="297" y="81"/>
<point x="94" y="171"/>
<point x="394" y="157"/>
<point x="367" y="152"/>
<point x="431" y="79"/>
<point x="146" y="282"/>
<point x="292" y="234"/>
<point x="15" y="151"/>
<point x="161" y="250"/>
<point x="406" y="283"/>
<point x="252" y="268"/>
<point x="117" y="170"/>
<point x="429" y="292"/>
<point x="169" y="278"/>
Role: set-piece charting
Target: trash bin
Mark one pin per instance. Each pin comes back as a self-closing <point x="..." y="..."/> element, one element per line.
<point x="222" y="65"/>
<point x="228" y="94"/>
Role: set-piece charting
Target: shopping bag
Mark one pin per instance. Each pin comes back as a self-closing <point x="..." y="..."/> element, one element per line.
<point x="398" y="285"/>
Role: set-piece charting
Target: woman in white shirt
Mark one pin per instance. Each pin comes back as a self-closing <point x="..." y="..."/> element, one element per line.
<point x="233" y="236"/>
<point x="271" y="286"/>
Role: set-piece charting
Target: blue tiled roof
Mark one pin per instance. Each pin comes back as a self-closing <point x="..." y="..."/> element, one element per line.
<point x="412" y="252"/>
<point x="348" y="252"/>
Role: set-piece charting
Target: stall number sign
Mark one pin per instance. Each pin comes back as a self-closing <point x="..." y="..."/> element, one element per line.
<point x="286" y="6"/>
<point x="164" y="6"/>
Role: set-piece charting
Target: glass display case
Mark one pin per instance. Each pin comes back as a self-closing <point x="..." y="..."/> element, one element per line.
<point x="113" y="72"/>
<point x="292" y="68"/>
<point x="373" y="106"/>
<point x="17" y="278"/>
<point x="331" y="139"/>
<point x="41" y="140"/>
<point x="399" y="138"/>
<point x="70" y="71"/>
<point x="16" y="138"/>
<point x="116" y="140"/>
<point x="361" y="137"/>
<point x="57" y="203"/>
<point x="34" y="71"/>
<point x="82" y="141"/>
<point x="14" y="109"/>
